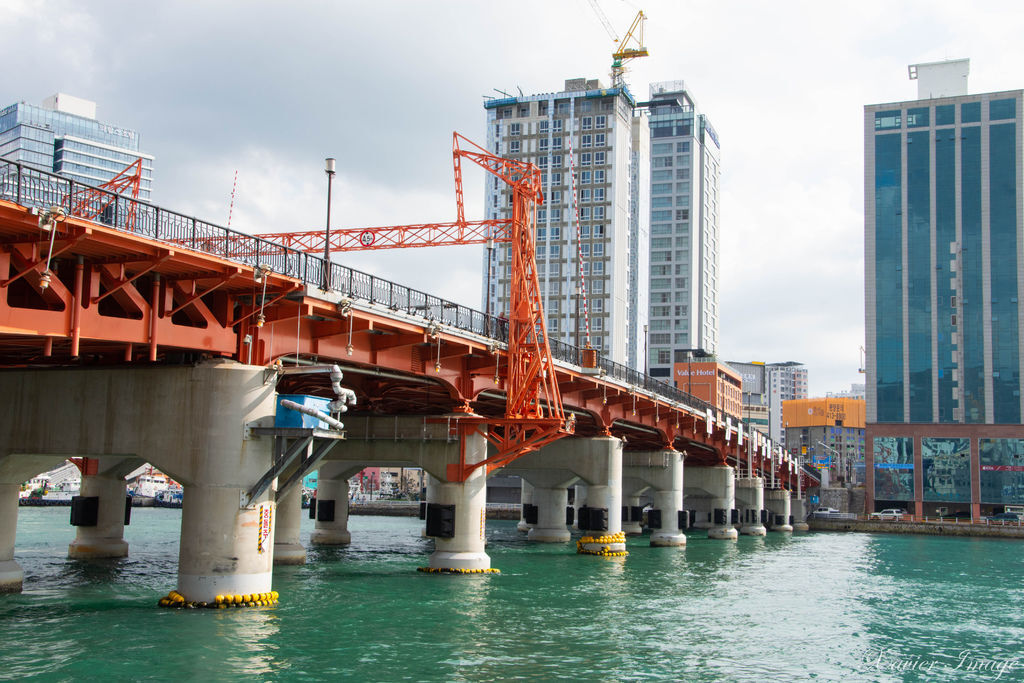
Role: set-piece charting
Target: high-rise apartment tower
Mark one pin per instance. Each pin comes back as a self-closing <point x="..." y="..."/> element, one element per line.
<point x="608" y="157"/>
<point x="684" y="227"/>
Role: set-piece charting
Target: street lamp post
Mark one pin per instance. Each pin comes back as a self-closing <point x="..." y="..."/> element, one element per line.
<point x="487" y="295"/>
<point x="329" y="168"/>
<point x="645" y="349"/>
<point x="841" y="470"/>
<point x="689" y="366"/>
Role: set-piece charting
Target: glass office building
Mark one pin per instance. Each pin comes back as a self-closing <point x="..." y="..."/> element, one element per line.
<point x="63" y="136"/>
<point x="943" y="253"/>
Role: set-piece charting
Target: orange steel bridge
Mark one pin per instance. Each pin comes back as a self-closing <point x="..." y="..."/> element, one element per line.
<point x="140" y="284"/>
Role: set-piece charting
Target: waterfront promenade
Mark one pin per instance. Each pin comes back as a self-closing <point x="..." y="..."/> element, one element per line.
<point x="922" y="525"/>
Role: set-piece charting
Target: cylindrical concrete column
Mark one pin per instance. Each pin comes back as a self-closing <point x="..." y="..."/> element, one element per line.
<point x="750" y="502"/>
<point x="225" y="550"/>
<point x="670" y="500"/>
<point x="430" y="485"/>
<point x="777" y="502"/>
<point x="287" y="546"/>
<point x="525" y="498"/>
<point x="605" y="492"/>
<point x="551" y="504"/>
<point x="631" y="528"/>
<point x="332" y="519"/>
<point x="465" y="550"/>
<point x="798" y="510"/>
<point x="718" y="488"/>
<point x="11" y="575"/>
<point x="106" y="539"/>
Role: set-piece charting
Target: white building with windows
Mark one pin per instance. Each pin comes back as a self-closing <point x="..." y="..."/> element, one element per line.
<point x="684" y="229"/>
<point x="602" y="245"/>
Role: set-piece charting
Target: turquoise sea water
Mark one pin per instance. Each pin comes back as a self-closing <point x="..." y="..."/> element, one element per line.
<point x="833" y="607"/>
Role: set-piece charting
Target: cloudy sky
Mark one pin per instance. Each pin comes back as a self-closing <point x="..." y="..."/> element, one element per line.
<point x="271" y="88"/>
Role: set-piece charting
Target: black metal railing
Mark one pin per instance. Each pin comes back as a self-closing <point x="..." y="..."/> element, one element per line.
<point x="31" y="187"/>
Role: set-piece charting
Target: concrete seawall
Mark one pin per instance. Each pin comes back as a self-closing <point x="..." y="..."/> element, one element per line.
<point x="933" y="528"/>
<point x="412" y="509"/>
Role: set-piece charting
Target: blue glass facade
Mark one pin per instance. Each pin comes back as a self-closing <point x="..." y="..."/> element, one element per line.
<point x="943" y="231"/>
<point x="888" y="275"/>
<point x="919" y="272"/>
<point x="946" y="231"/>
<point x="1003" y="185"/>
<point x="893" y="460"/>
<point x="945" y="241"/>
<point x="971" y="326"/>
<point x="946" y="464"/>
<point x="78" y="147"/>
<point x="1002" y="471"/>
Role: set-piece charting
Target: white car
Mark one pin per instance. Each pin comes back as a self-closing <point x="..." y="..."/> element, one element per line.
<point x="890" y="513"/>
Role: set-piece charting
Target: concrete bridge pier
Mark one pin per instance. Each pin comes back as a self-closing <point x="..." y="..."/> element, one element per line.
<point x="778" y="503"/>
<point x="14" y="471"/>
<point x="464" y="548"/>
<point x="598" y="461"/>
<point x="105" y="538"/>
<point x="227" y="541"/>
<point x="288" y="548"/>
<point x="664" y="472"/>
<point x="798" y="510"/>
<point x="189" y="421"/>
<point x="551" y="504"/>
<point x="551" y="496"/>
<point x="750" y="503"/>
<point x="225" y="550"/>
<point x="631" y="505"/>
<point x="546" y="480"/>
<point x="525" y="498"/>
<point x="711" y="493"/>
<point x="11" y="575"/>
<point x="332" y="504"/>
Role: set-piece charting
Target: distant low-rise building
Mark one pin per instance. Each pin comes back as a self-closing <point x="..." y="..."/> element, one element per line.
<point x="827" y="433"/>
<point x="717" y="383"/>
<point x="765" y="387"/>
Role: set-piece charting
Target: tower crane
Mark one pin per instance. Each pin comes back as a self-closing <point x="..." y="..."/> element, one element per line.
<point x="629" y="48"/>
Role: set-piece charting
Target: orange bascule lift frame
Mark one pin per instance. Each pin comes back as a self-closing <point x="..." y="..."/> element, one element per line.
<point x="533" y="412"/>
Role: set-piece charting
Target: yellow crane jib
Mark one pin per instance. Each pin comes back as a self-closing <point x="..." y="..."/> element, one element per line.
<point x="635" y="34"/>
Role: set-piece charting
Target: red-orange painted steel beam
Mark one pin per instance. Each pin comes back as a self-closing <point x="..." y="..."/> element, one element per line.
<point x="127" y="281"/>
<point x="397" y="236"/>
<point x="90" y="202"/>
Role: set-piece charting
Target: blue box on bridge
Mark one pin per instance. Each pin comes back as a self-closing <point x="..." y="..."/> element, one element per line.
<point x="286" y="417"/>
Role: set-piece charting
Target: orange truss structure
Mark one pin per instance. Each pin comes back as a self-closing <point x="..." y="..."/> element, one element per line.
<point x="90" y="203"/>
<point x="534" y="415"/>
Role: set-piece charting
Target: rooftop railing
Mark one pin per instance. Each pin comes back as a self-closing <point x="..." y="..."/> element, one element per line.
<point x="31" y="187"/>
